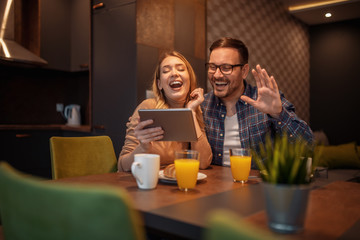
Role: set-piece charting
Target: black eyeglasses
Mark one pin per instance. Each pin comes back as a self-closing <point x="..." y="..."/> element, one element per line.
<point x="225" y="69"/>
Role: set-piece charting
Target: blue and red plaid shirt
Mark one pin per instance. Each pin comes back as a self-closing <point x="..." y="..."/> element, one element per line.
<point x="253" y="124"/>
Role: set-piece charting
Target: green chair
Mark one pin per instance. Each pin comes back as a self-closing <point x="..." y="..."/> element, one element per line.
<point x="34" y="209"/>
<point x="81" y="156"/>
<point x="223" y="224"/>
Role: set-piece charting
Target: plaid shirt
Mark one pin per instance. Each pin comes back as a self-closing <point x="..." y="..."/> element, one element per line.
<point x="253" y="124"/>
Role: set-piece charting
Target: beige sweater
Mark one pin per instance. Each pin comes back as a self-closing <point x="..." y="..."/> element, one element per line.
<point x="164" y="148"/>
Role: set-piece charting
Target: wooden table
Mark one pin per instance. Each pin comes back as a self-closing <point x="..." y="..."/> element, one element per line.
<point x="333" y="212"/>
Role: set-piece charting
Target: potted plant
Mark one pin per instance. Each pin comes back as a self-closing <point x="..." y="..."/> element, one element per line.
<point x="286" y="168"/>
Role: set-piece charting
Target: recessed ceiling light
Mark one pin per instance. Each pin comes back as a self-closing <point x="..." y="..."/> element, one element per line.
<point x="327" y="15"/>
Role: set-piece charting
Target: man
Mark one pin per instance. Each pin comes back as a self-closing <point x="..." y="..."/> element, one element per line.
<point x="237" y="114"/>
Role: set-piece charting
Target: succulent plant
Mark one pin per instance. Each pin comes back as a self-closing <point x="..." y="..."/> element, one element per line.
<point x="285" y="162"/>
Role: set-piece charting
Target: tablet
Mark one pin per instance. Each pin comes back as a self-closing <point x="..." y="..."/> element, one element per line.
<point x="177" y="123"/>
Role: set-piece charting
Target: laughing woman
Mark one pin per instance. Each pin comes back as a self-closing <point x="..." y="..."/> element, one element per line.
<point x="174" y="86"/>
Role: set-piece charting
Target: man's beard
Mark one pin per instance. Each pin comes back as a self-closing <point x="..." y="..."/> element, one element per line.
<point x="221" y="89"/>
<point x="227" y="90"/>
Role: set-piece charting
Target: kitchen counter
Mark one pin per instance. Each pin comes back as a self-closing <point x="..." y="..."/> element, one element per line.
<point x="81" y="128"/>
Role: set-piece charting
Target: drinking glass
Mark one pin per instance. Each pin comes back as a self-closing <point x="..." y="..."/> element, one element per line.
<point x="186" y="168"/>
<point x="240" y="162"/>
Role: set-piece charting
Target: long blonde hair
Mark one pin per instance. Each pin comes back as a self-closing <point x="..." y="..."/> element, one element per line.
<point x="160" y="96"/>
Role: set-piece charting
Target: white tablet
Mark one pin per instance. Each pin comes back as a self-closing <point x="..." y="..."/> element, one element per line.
<point x="177" y="123"/>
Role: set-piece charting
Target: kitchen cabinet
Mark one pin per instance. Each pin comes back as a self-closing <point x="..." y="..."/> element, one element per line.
<point x="29" y="93"/>
<point x="29" y="150"/>
<point x="113" y="70"/>
<point x="65" y="34"/>
<point x="107" y="97"/>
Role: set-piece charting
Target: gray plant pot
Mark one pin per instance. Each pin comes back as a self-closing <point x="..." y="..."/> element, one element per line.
<point x="286" y="206"/>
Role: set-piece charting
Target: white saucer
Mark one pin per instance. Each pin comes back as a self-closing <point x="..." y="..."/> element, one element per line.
<point x="201" y="176"/>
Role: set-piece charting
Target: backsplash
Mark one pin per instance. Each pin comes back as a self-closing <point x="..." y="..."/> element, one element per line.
<point x="29" y="95"/>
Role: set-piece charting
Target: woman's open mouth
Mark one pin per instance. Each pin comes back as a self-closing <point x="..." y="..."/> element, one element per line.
<point x="176" y="84"/>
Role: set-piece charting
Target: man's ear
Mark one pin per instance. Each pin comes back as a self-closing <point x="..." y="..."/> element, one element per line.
<point x="245" y="71"/>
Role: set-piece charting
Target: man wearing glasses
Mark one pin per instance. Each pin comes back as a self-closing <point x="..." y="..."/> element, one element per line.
<point x="237" y="114"/>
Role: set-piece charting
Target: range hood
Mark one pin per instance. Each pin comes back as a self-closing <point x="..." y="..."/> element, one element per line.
<point x="10" y="50"/>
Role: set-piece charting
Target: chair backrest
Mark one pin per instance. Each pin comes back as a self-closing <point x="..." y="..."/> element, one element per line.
<point x="223" y="224"/>
<point x="34" y="209"/>
<point x="81" y="156"/>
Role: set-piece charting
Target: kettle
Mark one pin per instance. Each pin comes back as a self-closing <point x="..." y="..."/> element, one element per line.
<point x="72" y="114"/>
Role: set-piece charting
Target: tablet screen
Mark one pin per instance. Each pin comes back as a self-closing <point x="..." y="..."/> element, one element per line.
<point x="177" y="123"/>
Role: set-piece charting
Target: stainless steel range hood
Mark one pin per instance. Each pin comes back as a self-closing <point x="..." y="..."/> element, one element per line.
<point x="9" y="49"/>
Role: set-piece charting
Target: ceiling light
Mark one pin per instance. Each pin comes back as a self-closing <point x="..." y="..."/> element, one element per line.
<point x="314" y="4"/>
<point x="327" y="15"/>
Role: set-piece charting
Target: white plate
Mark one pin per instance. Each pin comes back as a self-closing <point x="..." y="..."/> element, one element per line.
<point x="162" y="177"/>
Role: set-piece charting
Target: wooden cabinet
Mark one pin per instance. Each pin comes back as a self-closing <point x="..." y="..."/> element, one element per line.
<point x="65" y="34"/>
<point x="113" y="70"/>
<point x="29" y="150"/>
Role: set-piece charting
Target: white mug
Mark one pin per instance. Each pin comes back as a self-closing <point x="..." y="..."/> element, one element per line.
<point x="145" y="169"/>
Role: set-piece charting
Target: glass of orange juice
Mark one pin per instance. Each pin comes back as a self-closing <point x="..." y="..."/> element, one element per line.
<point x="240" y="162"/>
<point x="186" y="168"/>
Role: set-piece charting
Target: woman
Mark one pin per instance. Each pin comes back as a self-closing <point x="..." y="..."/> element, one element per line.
<point x="174" y="86"/>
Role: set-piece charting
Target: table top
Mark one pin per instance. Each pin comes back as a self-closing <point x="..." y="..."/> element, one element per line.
<point x="219" y="179"/>
<point x="333" y="211"/>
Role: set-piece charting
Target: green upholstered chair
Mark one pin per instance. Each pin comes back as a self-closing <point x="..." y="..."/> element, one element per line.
<point x="34" y="209"/>
<point x="223" y="224"/>
<point x="81" y="156"/>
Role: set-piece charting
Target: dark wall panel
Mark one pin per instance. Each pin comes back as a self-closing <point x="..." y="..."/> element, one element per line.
<point x="113" y="69"/>
<point x="335" y="80"/>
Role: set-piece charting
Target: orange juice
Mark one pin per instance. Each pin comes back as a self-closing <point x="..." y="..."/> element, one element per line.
<point x="240" y="167"/>
<point x="186" y="172"/>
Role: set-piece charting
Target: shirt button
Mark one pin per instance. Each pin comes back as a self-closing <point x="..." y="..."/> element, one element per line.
<point x="291" y="135"/>
<point x="279" y="123"/>
<point x="222" y="115"/>
<point x="219" y="154"/>
<point x="221" y="134"/>
<point x="245" y="103"/>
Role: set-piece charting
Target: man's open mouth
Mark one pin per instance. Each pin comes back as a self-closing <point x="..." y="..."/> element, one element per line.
<point x="221" y="84"/>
